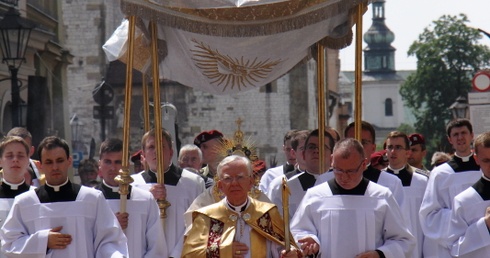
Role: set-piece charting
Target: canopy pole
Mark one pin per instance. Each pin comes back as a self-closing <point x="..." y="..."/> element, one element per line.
<point x="146" y="108"/>
<point x="321" y="103"/>
<point x="146" y="104"/>
<point x="358" y="72"/>
<point x="124" y="178"/>
<point x="163" y="204"/>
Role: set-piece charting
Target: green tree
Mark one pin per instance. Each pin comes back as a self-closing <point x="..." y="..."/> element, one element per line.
<point x="405" y="128"/>
<point x="448" y="55"/>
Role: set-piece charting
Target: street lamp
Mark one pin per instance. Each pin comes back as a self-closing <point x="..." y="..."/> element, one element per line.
<point x="15" y="32"/>
<point x="460" y="108"/>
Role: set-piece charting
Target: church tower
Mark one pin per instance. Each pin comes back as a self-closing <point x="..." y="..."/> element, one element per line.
<point x="379" y="55"/>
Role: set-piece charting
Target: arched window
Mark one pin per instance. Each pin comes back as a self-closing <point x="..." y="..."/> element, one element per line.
<point x="388" y="107"/>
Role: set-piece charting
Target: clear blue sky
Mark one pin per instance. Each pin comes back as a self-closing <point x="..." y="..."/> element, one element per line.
<point x="407" y="19"/>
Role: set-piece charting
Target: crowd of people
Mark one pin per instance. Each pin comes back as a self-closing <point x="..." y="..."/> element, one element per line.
<point x="361" y="203"/>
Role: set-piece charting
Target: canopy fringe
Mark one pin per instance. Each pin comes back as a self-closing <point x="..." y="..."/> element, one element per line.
<point x="309" y="15"/>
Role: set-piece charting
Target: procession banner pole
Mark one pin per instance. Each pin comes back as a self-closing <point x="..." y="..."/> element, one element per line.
<point x="124" y="178"/>
<point x="163" y="204"/>
<point x="146" y="108"/>
<point x="285" y="211"/>
<point x="358" y="72"/>
<point x="146" y="104"/>
<point x="321" y="101"/>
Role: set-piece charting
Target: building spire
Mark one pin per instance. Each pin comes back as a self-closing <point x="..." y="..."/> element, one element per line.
<point x="379" y="55"/>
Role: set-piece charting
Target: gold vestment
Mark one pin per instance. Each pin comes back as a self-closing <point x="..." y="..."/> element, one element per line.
<point x="214" y="227"/>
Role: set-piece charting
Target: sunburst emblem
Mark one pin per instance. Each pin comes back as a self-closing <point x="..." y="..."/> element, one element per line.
<point x="226" y="71"/>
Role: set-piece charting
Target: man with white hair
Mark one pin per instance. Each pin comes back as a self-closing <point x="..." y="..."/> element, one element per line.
<point x="190" y="157"/>
<point x="237" y="226"/>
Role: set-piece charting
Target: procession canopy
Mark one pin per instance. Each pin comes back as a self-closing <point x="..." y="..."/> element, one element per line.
<point x="228" y="46"/>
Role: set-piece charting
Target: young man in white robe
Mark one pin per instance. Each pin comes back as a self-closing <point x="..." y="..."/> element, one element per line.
<point x="368" y="140"/>
<point x="36" y="175"/>
<point x="61" y="219"/>
<point x="350" y="216"/>
<point x="237" y="226"/>
<point x="180" y="187"/>
<point x="141" y="222"/>
<point x="312" y="175"/>
<point x="445" y="182"/>
<point x="470" y="217"/>
<point x="274" y="172"/>
<point x="209" y="143"/>
<point x="414" y="183"/>
<point x="14" y="160"/>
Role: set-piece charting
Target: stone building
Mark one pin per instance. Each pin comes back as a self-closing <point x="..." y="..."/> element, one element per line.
<point x="42" y="77"/>
<point x="382" y="104"/>
<point x="267" y="111"/>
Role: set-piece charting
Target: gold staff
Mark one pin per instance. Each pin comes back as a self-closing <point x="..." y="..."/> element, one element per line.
<point x="321" y="102"/>
<point x="285" y="212"/>
<point x="163" y="204"/>
<point x="358" y="72"/>
<point x="146" y="104"/>
<point x="124" y="178"/>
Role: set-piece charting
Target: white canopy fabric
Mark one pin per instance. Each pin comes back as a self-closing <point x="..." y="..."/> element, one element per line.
<point x="228" y="46"/>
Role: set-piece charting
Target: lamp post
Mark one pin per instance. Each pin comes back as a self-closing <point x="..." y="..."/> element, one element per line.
<point x="15" y="32"/>
<point x="460" y="108"/>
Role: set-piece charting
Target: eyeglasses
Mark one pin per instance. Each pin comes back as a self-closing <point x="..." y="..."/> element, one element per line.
<point x="395" y="147"/>
<point x="314" y="147"/>
<point x="240" y="179"/>
<point x="348" y="172"/>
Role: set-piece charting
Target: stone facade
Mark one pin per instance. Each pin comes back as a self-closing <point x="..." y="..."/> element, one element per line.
<point x="268" y="112"/>
<point x="85" y="24"/>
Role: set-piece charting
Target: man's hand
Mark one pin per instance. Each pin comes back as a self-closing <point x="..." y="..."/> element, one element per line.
<point x="57" y="240"/>
<point x="487" y="217"/>
<point x="123" y="219"/>
<point x="309" y="246"/>
<point x="368" y="254"/>
<point x="293" y="253"/>
<point x="239" y="249"/>
<point x="159" y="191"/>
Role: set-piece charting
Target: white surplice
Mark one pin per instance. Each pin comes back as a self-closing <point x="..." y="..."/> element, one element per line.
<point x="347" y="225"/>
<point x="94" y="229"/>
<point x="268" y="176"/>
<point x="180" y="197"/>
<point x="5" y="205"/>
<point x="435" y="211"/>
<point x="144" y="232"/>
<point x="410" y="209"/>
<point x="394" y="184"/>
<point x="296" y="189"/>
<point x="468" y="234"/>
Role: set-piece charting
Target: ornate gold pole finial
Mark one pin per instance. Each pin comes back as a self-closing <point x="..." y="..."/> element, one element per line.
<point x="124" y="179"/>
<point x="238" y="133"/>
<point x="285" y="211"/>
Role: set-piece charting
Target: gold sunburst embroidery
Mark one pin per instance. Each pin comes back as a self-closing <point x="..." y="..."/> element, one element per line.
<point x="226" y="71"/>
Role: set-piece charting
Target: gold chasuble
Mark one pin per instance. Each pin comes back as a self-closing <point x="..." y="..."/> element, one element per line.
<point x="214" y="228"/>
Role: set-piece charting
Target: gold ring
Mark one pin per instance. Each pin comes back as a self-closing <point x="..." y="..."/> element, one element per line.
<point x="238" y="252"/>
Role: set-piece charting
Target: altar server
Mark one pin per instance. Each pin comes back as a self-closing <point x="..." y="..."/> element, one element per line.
<point x="470" y="217"/>
<point x="445" y="182"/>
<point x="61" y="219"/>
<point x="141" y="221"/>
<point x="349" y="216"/>
<point x="180" y="189"/>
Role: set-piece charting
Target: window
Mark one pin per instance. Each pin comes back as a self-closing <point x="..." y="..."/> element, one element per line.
<point x="388" y="107"/>
<point x="268" y="88"/>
